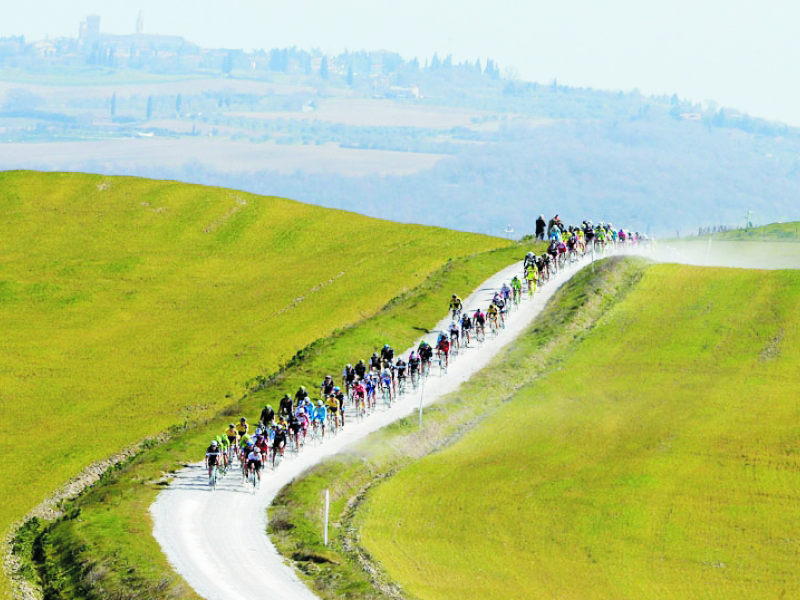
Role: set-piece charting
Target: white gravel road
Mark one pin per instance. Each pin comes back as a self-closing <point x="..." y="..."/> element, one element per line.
<point x="217" y="540"/>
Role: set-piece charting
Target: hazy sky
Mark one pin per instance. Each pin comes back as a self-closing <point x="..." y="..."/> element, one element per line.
<point x="739" y="53"/>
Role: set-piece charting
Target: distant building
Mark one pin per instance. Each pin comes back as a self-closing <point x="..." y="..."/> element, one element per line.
<point x="691" y="116"/>
<point x="89" y="30"/>
<point x="130" y="44"/>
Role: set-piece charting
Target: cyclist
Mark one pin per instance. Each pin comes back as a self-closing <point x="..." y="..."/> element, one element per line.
<point x="212" y="456"/>
<point x="552" y="252"/>
<point x="267" y="416"/>
<point x="253" y="462"/>
<point x="359" y="395"/>
<point x="530" y="259"/>
<point x="532" y="277"/>
<point x="340" y="398"/>
<point x="506" y="292"/>
<point x="414" y="364"/>
<point x="300" y="396"/>
<point x="491" y="313"/>
<point x="304" y="418"/>
<point x="232" y="435"/>
<point x="546" y="263"/>
<point x="387" y="380"/>
<point x="456" y="306"/>
<point x="262" y="444"/>
<point x="278" y="441"/>
<point x="320" y="414"/>
<point x="443" y="348"/>
<point x="244" y="443"/>
<point x="501" y="305"/>
<point x="371" y="383"/>
<point x="222" y="444"/>
<point x="326" y="388"/>
<point x="401" y="368"/>
<point x="286" y="407"/>
<point x="332" y="406"/>
<point x="375" y="361"/>
<point x="360" y="369"/>
<point x="242" y="427"/>
<point x="466" y="325"/>
<point x="516" y="285"/>
<point x="387" y="355"/>
<point x="348" y="376"/>
<point x="480" y="322"/>
<point x="425" y="353"/>
<point x="454" y="333"/>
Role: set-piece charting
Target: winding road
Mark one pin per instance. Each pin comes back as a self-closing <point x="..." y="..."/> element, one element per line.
<point x="217" y="541"/>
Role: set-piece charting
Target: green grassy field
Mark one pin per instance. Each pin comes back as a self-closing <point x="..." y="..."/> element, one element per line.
<point x="659" y="460"/>
<point x="775" y="232"/>
<point x="128" y="306"/>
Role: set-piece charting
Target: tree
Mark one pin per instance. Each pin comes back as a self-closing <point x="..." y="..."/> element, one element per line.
<point x="149" y="107"/>
<point x="350" y="76"/>
<point x="478" y="66"/>
<point x="435" y="62"/>
<point x="178" y="102"/>
<point x="113" y="105"/>
<point x="227" y="63"/>
<point x="323" y="68"/>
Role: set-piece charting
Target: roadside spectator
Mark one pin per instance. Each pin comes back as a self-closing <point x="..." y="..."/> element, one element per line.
<point x="540" y="225"/>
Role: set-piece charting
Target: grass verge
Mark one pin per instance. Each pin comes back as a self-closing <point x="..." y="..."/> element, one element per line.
<point x="102" y="546"/>
<point x="343" y="569"/>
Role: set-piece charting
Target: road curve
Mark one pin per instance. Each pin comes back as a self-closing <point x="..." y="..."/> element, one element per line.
<point x="217" y="541"/>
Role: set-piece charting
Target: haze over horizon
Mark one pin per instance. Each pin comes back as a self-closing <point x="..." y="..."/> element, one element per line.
<point x="737" y="54"/>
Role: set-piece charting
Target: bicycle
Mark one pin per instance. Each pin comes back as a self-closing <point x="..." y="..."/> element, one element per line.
<point x="442" y="363"/>
<point x="212" y="480"/>
<point x="426" y="367"/>
<point x="480" y="334"/>
<point x="401" y="385"/>
<point x="387" y="395"/>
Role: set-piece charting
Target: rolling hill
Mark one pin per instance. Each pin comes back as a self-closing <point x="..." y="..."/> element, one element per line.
<point x="128" y="306"/>
<point x="656" y="459"/>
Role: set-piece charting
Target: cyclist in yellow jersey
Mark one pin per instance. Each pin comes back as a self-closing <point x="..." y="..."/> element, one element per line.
<point x="456" y="305"/>
<point x="532" y="277"/>
<point x="242" y="427"/>
<point x="231" y="433"/>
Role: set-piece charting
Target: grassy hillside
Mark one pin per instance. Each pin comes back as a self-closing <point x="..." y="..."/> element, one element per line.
<point x="129" y="305"/>
<point x="774" y="232"/>
<point x="660" y="460"/>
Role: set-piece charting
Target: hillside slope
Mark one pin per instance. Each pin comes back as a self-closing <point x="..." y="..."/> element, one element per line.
<point x="129" y="305"/>
<point x="659" y="460"/>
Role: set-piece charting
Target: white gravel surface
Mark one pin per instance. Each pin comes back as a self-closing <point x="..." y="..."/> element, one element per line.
<point x="217" y="540"/>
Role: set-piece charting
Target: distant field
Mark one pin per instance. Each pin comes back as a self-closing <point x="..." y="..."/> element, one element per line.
<point x="659" y="460"/>
<point x="378" y="113"/>
<point x="135" y="83"/>
<point x="222" y="154"/>
<point x="130" y="305"/>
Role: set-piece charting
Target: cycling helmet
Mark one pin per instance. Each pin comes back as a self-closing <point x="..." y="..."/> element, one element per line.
<point x="349" y="366"/>
<point x="231" y="425"/>
<point x="361" y="362"/>
<point x="250" y="442"/>
<point x="529" y="254"/>
<point x="319" y="403"/>
<point x="285" y="396"/>
<point x="386" y="346"/>
<point x="375" y="355"/>
<point x="269" y="407"/>
<point x="328" y="376"/>
<point x="336" y="388"/>
<point x="213" y="443"/>
<point x="242" y="420"/>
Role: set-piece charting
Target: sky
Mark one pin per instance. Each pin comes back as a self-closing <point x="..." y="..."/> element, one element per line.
<point x="737" y="53"/>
